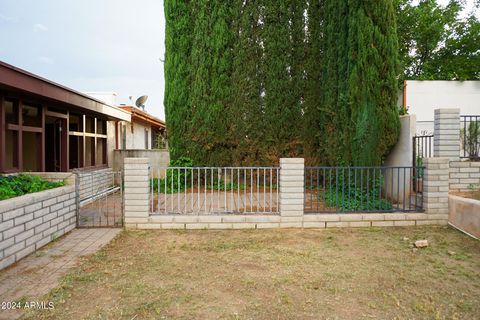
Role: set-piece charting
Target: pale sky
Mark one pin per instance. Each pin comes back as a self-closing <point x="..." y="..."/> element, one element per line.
<point x="89" y="45"/>
<point x="92" y="45"/>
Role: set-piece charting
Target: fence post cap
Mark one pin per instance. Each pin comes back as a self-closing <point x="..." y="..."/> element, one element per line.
<point x="292" y="160"/>
<point x="136" y="160"/>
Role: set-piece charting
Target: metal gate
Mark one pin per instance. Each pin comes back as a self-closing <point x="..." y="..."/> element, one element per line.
<point x="99" y="199"/>
<point x="422" y="148"/>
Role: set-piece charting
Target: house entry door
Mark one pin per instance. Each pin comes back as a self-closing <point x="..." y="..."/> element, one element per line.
<point x="55" y="144"/>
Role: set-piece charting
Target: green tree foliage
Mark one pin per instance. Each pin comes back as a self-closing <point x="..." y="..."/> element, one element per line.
<point x="246" y="123"/>
<point x="314" y="51"/>
<point x="372" y="83"/>
<point x="435" y="43"/>
<point x="332" y="120"/>
<point x="282" y="109"/>
<point x="251" y="81"/>
<point x="178" y="38"/>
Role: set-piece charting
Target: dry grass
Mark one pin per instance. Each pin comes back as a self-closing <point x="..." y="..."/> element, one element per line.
<point x="471" y="194"/>
<point x="275" y="274"/>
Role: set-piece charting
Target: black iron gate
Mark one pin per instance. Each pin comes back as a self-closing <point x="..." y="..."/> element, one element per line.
<point x="422" y="148"/>
<point x="99" y="199"/>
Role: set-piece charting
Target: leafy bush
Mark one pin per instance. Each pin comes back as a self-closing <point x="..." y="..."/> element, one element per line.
<point x="350" y="197"/>
<point x="470" y="139"/>
<point x="17" y="185"/>
<point x="179" y="180"/>
<point x="175" y="180"/>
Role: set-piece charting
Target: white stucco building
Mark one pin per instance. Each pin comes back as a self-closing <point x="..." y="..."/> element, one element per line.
<point x="423" y="97"/>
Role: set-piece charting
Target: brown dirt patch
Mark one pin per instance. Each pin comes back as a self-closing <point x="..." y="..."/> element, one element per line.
<point x="471" y="194"/>
<point x="275" y="274"/>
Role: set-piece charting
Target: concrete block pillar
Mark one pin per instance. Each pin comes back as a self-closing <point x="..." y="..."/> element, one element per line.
<point x="292" y="184"/>
<point x="435" y="185"/>
<point x="447" y="133"/>
<point x="137" y="188"/>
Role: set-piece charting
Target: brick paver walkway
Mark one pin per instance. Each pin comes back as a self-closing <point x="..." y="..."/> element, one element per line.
<point x="34" y="276"/>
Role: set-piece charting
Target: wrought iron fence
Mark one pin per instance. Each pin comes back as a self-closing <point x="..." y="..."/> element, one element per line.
<point x="470" y="137"/>
<point x="422" y="148"/>
<point x="209" y="190"/>
<point x="363" y="189"/>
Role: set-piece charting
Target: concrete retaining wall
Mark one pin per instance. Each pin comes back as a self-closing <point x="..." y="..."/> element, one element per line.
<point x="31" y="221"/>
<point x="156" y="158"/>
<point x="465" y="215"/>
<point x="401" y="156"/>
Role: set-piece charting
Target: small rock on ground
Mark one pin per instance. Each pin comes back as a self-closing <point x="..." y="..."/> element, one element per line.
<point x="421" y="243"/>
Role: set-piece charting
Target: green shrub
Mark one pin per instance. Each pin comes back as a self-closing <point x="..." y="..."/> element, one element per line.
<point x="179" y="180"/>
<point x="350" y="197"/>
<point x="175" y="179"/>
<point x="470" y="139"/>
<point x="17" y="185"/>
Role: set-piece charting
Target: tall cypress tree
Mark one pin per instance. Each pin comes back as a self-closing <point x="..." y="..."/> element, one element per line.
<point x="331" y="133"/>
<point x="177" y="44"/>
<point x="244" y="78"/>
<point x="246" y="126"/>
<point x="359" y="121"/>
<point x="219" y="108"/>
<point x="281" y="117"/>
<point x="199" y="72"/>
<point x="297" y="65"/>
<point x="372" y="90"/>
<point x="312" y="90"/>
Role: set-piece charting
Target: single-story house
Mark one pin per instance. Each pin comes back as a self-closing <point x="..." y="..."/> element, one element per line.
<point x="45" y="126"/>
<point x="143" y="132"/>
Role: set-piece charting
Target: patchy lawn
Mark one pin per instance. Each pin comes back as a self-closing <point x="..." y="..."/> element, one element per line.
<point x="275" y="274"/>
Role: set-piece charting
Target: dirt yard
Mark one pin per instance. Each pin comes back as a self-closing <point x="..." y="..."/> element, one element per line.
<point x="275" y="274"/>
<point x="471" y="194"/>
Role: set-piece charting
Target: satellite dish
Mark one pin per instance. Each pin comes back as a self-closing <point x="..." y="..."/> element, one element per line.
<point x="140" y="102"/>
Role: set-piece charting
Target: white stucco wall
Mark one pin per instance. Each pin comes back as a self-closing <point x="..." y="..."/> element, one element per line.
<point x="401" y="156"/>
<point x="110" y="142"/>
<point x="423" y="97"/>
<point x="135" y="137"/>
<point x="109" y="98"/>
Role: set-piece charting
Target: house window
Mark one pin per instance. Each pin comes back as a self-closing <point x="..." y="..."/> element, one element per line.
<point x="22" y="135"/>
<point x="146" y="138"/>
<point x="124" y="136"/>
<point x="31" y="116"/>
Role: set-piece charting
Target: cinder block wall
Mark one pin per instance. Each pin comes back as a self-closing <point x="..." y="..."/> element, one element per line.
<point x="137" y="190"/>
<point x="93" y="182"/>
<point x="31" y="221"/>
<point x="464" y="176"/>
<point x="138" y="215"/>
<point x="435" y="188"/>
<point x="446" y="140"/>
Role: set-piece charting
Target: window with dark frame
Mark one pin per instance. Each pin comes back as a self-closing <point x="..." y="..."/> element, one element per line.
<point x="23" y="136"/>
<point x="146" y="138"/>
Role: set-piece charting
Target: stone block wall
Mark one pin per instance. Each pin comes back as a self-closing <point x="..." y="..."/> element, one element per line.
<point x="446" y="140"/>
<point x="464" y="176"/>
<point x="92" y="182"/>
<point x="31" y="221"/>
<point x="435" y="185"/>
<point x="291" y="197"/>
<point x="137" y="189"/>
<point x="292" y="176"/>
